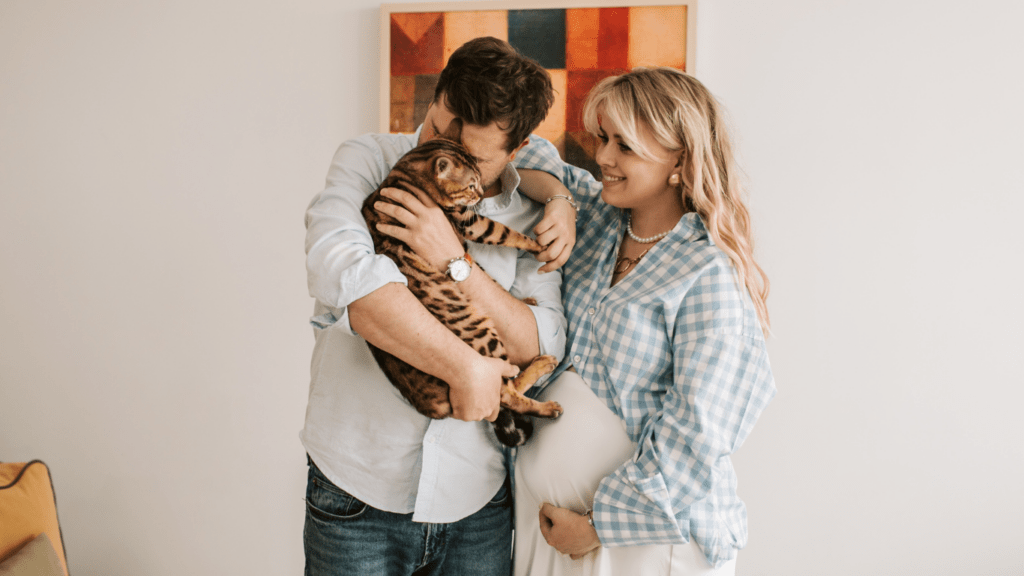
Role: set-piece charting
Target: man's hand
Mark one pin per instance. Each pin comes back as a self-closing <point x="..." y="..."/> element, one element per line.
<point x="557" y="232"/>
<point x="425" y="228"/>
<point x="476" y="393"/>
<point x="568" y="532"/>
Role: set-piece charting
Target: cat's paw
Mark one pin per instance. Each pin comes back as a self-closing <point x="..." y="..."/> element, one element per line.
<point x="550" y="410"/>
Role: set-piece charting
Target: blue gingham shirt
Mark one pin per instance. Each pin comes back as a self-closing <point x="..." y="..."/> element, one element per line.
<point x="676" y="350"/>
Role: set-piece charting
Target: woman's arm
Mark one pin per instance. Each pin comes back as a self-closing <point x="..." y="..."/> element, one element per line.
<point x="557" y="230"/>
<point x="721" y="383"/>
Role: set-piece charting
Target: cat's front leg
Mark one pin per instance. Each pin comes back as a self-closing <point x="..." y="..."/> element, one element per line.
<point x="482" y="229"/>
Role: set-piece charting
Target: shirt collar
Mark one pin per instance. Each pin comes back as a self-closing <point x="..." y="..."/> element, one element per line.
<point x="692" y="228"/>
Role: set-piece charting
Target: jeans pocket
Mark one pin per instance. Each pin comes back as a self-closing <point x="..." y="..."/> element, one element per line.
<point x="328" y="503"/>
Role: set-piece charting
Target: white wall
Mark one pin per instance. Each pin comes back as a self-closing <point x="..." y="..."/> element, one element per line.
<point x="156" y="159"/>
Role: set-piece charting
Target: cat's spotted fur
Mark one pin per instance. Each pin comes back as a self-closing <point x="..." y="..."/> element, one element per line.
<point x="447" y="173"/>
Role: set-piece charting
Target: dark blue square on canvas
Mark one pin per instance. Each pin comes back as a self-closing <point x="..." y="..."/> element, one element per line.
<point x="539" y="34"/>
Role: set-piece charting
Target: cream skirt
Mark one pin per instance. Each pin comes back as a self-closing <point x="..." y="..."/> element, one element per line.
<point x="562" y="464"/>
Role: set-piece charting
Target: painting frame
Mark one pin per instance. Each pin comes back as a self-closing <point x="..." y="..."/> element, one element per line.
<point x="591" y="30"/>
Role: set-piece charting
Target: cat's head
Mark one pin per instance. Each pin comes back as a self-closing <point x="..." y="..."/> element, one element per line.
<point x="455" y="171"/>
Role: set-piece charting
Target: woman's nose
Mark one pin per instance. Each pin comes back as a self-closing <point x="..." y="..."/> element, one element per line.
<point x="603" y="156"/>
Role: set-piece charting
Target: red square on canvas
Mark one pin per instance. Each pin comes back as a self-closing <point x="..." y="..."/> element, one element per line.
<point x="417" y="43"/>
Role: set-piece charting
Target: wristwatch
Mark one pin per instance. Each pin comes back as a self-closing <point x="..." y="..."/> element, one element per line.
<point x="459" y="268"/>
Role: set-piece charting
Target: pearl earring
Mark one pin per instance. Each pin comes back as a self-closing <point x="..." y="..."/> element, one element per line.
<point x="673" y="180"/>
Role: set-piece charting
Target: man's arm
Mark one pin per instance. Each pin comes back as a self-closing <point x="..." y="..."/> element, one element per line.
<point x="345" y="274"/>
<point x="392" y="319"/>
<point x="427" y="231"/>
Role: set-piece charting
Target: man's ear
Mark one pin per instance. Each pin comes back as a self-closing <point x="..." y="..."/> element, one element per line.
<point x="518" y="148"/>
<point x="454" y="130"/>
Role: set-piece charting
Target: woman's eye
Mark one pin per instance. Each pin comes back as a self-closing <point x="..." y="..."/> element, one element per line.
<point x="625" y="148"/>
<point x="602" y="138"/>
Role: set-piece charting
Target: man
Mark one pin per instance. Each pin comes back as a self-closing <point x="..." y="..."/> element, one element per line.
<point x="389" y="490"/>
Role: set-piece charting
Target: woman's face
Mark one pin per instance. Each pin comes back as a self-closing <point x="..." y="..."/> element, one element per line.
<point x="631" y="181"/>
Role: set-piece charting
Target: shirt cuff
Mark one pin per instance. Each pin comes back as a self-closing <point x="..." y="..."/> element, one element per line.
<point x="358" y="280"/>
<point x="550" y="331"/>
<point x="630" y="510"/>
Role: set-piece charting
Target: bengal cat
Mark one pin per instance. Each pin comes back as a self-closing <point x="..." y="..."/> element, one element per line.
<point x="446" y="172"/>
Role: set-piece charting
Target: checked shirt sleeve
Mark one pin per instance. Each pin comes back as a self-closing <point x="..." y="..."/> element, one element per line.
<point x="540" y="154"/>
<point x="722" y="383"/>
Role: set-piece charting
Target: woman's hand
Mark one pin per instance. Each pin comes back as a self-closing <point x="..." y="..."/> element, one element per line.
<point x="557" y="233"/>
<point x="425" y="228"/>
<point x="557" y="230"/>
<point x="568" y="532"/>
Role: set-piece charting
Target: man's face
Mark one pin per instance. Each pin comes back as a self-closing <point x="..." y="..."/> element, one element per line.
<point x="486" y="143"/>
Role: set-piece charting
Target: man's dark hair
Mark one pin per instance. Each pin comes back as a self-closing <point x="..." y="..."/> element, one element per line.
<point x="487" y="80"/>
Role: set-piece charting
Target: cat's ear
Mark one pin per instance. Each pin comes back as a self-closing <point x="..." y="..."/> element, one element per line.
<point x="454" y="130"/>
<point x="443" y="168"/>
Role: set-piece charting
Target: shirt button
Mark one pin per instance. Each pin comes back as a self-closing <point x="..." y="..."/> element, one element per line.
<point x="577" y="358"/>
<point x="591" y="311"/>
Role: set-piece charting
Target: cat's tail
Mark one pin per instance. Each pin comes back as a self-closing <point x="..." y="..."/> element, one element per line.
<point x="512" y="429"/>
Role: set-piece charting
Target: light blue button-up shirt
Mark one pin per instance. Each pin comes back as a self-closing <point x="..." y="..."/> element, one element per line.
<point x="359" y="430"/>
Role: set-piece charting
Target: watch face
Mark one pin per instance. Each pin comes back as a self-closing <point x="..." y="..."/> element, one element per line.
<point x="459" y="269"/>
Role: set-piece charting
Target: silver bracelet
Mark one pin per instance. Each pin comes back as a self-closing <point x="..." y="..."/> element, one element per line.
<point x="567" y="199"/>
<point x="590" y="517"/>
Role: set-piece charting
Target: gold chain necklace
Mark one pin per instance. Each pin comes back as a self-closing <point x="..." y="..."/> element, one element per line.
<point x="623" y="264"/>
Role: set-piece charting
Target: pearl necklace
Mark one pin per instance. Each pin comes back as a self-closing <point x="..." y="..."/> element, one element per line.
<point x="648" y="240"/>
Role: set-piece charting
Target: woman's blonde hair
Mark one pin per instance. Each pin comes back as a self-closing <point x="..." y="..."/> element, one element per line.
<point x="684" y="117"/>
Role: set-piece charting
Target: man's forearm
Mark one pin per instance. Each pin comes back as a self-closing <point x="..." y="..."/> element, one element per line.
<point x="395" y="321"/>
<point x="515" y="323"/>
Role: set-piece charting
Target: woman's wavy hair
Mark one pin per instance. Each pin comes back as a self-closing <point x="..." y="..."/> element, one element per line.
<point x="684" y="117"/>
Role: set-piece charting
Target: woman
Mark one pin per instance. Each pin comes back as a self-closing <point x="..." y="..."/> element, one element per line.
<point x="666" y="311"/>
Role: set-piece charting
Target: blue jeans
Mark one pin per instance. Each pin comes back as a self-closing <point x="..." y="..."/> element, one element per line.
<point x="343" y="535"/>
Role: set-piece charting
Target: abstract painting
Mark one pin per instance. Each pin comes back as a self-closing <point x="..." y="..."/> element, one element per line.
<point x="578" y="45"/>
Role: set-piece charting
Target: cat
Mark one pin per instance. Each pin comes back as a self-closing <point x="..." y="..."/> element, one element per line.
<point x="445" y="171"/>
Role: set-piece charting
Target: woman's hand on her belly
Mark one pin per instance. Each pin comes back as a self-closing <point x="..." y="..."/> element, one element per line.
<point x="568" y="532"/>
